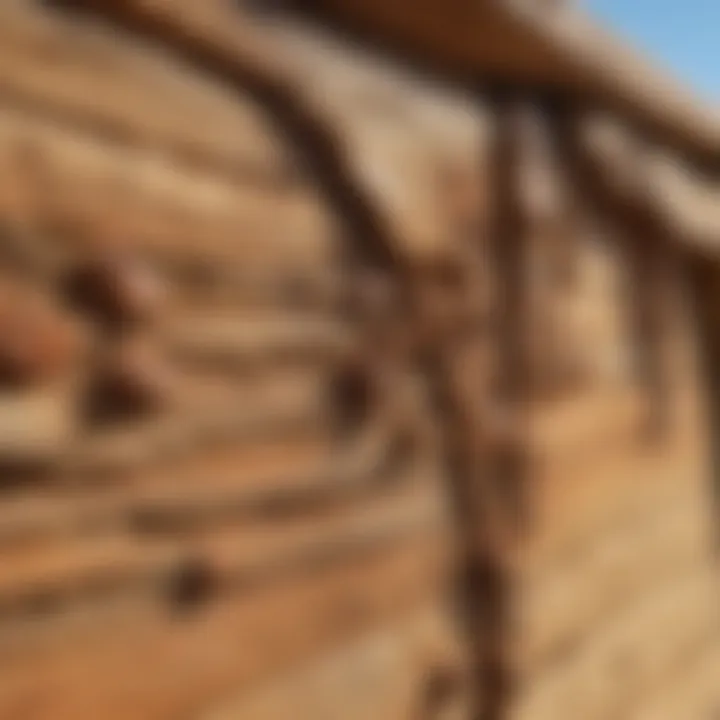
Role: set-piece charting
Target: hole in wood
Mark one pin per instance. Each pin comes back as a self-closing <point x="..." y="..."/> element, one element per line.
<point x="352" y="396"/>
<point x="191" y="585"/>
<point x="114" y="290"/>
<point x="131" y="382"/>
<point x="19" y="472"/>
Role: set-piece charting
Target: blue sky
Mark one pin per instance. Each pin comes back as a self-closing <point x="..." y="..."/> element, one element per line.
<point x="684" y="35"/>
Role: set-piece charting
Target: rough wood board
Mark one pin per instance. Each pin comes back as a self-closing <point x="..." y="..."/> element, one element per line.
<point x="153" y="667"/>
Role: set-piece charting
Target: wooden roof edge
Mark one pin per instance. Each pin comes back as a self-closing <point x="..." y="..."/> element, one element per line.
<point x="670" y="195"/>
<point x="627" y="80"/>
<point x="563" y="49"/>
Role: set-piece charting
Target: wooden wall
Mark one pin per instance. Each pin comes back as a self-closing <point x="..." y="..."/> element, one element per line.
<point x="175" y="562"/>
<point x="226" y="553"/>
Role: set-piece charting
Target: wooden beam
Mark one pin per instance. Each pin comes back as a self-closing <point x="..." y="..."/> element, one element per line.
<point x="624" y="206"/>
<point x="658" y="241"/>
<point x="490" y="500"/>
<point x="702" y="273"/>
<point x="554" y="48"/>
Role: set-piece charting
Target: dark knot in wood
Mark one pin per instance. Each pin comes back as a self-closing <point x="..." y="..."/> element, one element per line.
<point x="191" y="585"/>
<point x="130" y="382"/>
<point x="115" y="290"/>
<point x="353" y="393"/>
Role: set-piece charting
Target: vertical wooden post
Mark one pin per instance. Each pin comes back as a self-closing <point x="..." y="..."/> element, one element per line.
<point x="509" y="245"/>
<point x="656" y="251"/>
<point x="702" y="273"/>
<point x="565" y="367"/>
<point x="648" y="280"/>
<point x="502" y="485"/>
<point x="646" y="245"/>
<point x="551" y="256"/>
<point x="483" y="438"/>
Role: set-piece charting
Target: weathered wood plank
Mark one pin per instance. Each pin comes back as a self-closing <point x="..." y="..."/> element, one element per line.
<point x="61" y="69"/>
<point x="231" y="644"/>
